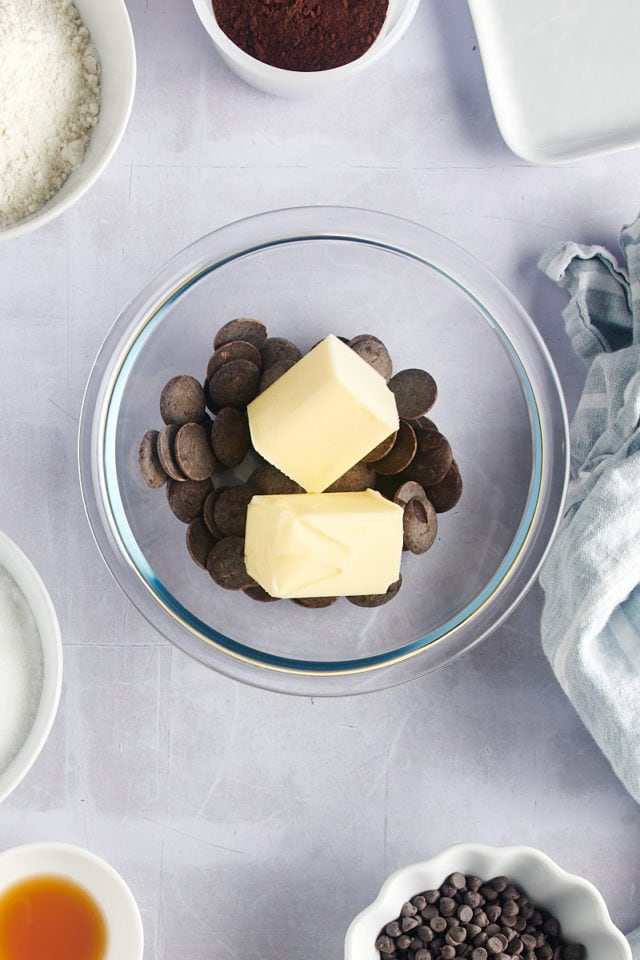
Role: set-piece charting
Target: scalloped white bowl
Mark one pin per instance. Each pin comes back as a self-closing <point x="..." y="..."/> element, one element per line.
<point x="575" y="902"/>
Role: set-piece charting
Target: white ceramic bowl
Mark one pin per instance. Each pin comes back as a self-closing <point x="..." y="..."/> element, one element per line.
<point x="110" y="30"/>
<point x="295" y="83"/>
<point x="13" y="560"/>
<point x="575" y="902"/>
<point x="95" y="876"/>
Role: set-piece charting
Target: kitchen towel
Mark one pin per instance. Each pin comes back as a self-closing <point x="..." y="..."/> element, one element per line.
<point x="591" y="578"/>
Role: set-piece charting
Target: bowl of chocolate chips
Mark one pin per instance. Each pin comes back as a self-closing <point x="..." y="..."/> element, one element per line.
<point x="324" y="450"/>
<point x="486" y="903"/>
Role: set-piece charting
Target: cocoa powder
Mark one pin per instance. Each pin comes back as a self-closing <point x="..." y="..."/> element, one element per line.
<point x="302" y="35"/>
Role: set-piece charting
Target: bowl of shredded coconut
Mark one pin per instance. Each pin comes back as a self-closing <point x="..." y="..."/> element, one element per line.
<point x="67" y="76"/>
<point x="30" y="665"/>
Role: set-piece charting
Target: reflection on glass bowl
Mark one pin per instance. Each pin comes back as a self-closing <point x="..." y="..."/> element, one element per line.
<point x="305" y="273"/>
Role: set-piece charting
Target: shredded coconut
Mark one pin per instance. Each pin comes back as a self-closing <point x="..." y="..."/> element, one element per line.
<point x="49" y="100"/>
<point x="21" y="668"/>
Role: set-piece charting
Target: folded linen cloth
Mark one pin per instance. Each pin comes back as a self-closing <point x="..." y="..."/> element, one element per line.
<point x="591" y="578"/>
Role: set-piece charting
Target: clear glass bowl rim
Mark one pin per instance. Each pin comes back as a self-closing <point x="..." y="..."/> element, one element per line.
<point x="518" y="569"/>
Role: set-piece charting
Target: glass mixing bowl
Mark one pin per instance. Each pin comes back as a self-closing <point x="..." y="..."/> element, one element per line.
<point x="305" y="273"/>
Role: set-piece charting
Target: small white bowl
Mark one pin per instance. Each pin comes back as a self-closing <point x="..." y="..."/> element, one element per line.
<point x="297" y="83"/>
<point x="575" y="902"/>
<point x="110" y="31"/>
<point x="99" y="879"/>
<point x="16" y="564"/>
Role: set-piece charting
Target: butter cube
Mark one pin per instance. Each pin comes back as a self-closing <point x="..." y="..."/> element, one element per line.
<point x="323" y="544"/>
<point x="323" y="415"/>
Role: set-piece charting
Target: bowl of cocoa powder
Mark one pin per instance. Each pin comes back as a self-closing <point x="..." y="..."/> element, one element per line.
<point x="303" y="47"/>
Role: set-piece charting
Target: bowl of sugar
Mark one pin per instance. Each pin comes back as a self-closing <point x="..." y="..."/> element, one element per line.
<point x="30" y="665"/>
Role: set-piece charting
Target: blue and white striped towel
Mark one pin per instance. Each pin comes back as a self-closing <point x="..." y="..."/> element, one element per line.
<point x="591" y="578"/>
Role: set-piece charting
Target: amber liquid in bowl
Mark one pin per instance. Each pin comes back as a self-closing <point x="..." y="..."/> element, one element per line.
<point x="50" y="917"/>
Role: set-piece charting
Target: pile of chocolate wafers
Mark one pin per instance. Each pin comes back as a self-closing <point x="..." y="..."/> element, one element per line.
<point x="204" y="449"/>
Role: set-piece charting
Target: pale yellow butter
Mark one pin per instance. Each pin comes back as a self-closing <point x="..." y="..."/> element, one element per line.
<point x="323" y="544"/>
<point x="323" y="415"/>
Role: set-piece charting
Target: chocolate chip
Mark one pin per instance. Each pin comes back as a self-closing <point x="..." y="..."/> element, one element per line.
<point x="230" y="510"/>
<point x="406" y="491"/>
<point x="430" y="464"/>
<point x="208" y="513"/>
<point x="315" y="603"/>
<point x="510" y="908"/>
<point x="445" y="494"/>
<point x="382" y="449"/>
<point x="153" y="473"/>
<point x="359" y="477"/>
<point x="234" y="350"/>
<point x="373" y="351"/>
<point x="234" y="384"/>
<point x="193" y="453"/>
<point x="279" y="350"/>
<point x="182" y="400"/>
<point x="447" y="906"/>
<point x="385" y="944"/>
<point x="226" y="564"/>
<point x="230" y="436"/>
<point x="377" y="599"/>
<point x="415" y="392"/>
<point x="419" y="525"/>
<point x="268" y="480"/>
<point x="199" y="541"/>
<point x="457" y="880"/>
<point x="186" y="499"/>
<point x="401" y="454"/>
<point x="499" y="883"/>
<point x="271" y="374"/>
<point x="260" y="594"/>
<point x="166" y="452"/>
<point x="242" y="328"/>
<point x="456" y="934"/>
<point x="573" y="951"/>
<point x="424" y="423"/>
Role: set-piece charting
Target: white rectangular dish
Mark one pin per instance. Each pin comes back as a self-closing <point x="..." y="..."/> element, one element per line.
<point x="562" y="75"/>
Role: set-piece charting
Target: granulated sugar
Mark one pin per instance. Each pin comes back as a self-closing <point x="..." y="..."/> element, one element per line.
<point x="21" y="668"/>
<point x="49" y="101"/>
